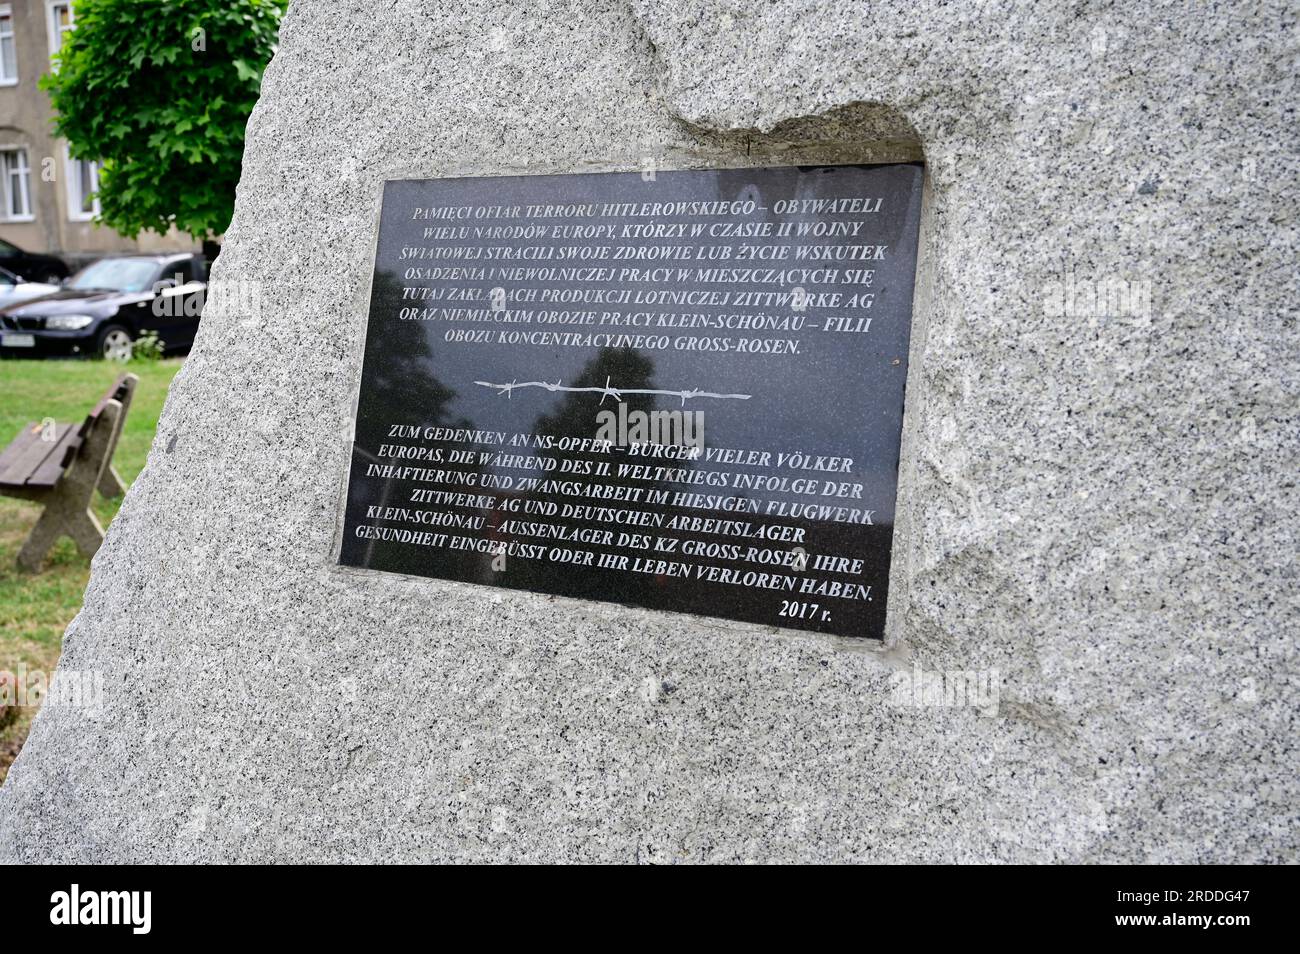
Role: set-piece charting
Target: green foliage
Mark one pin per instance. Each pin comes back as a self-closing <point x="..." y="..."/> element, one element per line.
<point x="147" y="347"/>
<point x="160" y="91"/>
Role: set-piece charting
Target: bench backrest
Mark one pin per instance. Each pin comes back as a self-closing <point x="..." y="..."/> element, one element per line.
<point x="121" y="391"/>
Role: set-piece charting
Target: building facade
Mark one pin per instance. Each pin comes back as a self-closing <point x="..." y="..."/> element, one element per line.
<point x="47" y="198"/>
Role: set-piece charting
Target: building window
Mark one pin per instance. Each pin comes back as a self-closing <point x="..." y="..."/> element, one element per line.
<point x="83" y="182"/>
<point x="16" y="186"/>
<point x="8" y="64"/>
<point x="59" y="16"/>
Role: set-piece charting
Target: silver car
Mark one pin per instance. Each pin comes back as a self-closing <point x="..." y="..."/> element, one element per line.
<point x="13" y="289"/>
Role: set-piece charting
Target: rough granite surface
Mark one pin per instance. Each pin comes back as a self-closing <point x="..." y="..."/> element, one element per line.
<point x="1102" y="506"/>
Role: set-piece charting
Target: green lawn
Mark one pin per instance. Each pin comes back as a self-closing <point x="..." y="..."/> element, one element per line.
<point x="36" y="608"/>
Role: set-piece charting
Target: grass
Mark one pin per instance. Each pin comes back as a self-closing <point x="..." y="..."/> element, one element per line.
<point x="35" y="609"/>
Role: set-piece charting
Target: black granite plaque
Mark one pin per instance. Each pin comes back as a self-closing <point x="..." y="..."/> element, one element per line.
<point x="680" y="390"/>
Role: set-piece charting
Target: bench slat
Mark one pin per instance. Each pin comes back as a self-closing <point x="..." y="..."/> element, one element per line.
<point x="52" y="468"/>
<point x="16" y="447"/>
<point x="25" y="456"/>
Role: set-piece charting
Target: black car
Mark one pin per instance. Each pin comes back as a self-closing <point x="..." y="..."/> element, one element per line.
<point x="31" y="266"/>
<point x="103" y="308"/>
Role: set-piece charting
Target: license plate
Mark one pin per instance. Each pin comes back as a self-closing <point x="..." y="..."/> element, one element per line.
<point x="18" y="341"/>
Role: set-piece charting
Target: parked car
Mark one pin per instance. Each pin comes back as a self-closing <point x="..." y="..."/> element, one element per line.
<point x="103" y="308"/>
<point x="15" y="288"/>
<point x="37" y="268"/>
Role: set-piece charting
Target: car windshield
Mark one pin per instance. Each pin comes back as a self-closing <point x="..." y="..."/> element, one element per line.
<point x="116" y="274"/>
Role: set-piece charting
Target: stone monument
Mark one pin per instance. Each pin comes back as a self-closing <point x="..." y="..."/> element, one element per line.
<point x="1089" y="649"/>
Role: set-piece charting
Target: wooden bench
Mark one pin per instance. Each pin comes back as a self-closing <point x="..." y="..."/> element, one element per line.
<point x="60" y="466"/>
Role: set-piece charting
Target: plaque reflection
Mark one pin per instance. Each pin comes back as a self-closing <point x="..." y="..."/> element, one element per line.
<point x="576" y="417"/>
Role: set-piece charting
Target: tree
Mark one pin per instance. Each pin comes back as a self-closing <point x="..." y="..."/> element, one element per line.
<point x="159" y="92"/>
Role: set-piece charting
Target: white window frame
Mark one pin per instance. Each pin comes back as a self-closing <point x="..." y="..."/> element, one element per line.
<point x="73" y="189"/>
<point x="25" y="184"/>
<point x="55" y="34"/>
<point x="7" y="10"/>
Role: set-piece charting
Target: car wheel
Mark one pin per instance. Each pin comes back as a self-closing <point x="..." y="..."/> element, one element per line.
<point x="114" y="344"/>
<point x="53" y="278"/>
